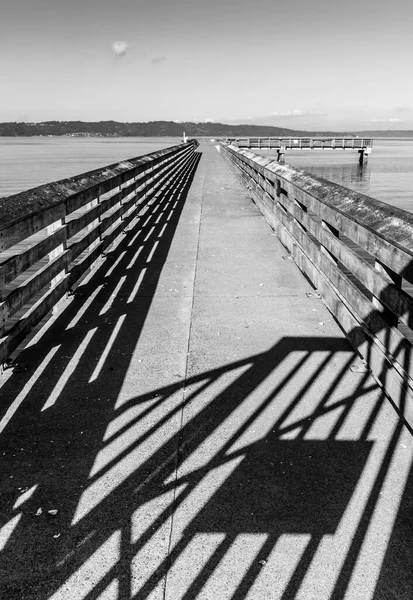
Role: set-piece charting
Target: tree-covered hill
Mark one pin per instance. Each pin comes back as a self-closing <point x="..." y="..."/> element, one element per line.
<point x="166" y="129"/>
<point x="150" y="129"/>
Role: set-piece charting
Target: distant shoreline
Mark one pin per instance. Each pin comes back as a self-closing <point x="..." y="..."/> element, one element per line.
<point x="115" y="129"/>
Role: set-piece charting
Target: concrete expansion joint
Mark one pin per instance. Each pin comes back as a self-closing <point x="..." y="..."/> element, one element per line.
<point x="181" y="441"/>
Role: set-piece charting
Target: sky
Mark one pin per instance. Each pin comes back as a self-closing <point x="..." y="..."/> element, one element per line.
<point x="302" y="64"/>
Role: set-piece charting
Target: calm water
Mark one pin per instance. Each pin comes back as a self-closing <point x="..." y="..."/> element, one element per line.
<point x="387" y="176"/>
<point x="32" y="161"/>
<point x="29" y="162"/>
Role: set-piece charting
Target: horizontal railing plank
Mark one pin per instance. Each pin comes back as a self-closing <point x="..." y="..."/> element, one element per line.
<point x="386" y="232"/>
<point x="15" y="264"/>
<point x="390" y="338"/>
<point x="85" y="236"/>
<point x="379" y="285"/>
<point x="327" y="229"/>
<point x="24" y="214"/>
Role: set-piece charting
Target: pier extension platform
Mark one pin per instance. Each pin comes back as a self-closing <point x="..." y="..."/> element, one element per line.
<point x="195" y="425"/>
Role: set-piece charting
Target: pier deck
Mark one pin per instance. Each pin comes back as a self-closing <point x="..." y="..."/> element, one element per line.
<point x="202" y="426"/>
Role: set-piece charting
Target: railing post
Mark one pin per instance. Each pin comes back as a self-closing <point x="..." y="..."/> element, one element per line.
<point x="394" y="278"/>
<point x="336" y="233"/>
<point x="51" y="256"/>
<point x="300" y="205"/>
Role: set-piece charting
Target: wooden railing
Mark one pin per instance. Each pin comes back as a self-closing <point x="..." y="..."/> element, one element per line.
<point x="350" y="143"/>
<point x="51" y="236"/>
<point x="358" y="253"/>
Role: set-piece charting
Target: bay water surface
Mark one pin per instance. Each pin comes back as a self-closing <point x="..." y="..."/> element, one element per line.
<point x="33" y="161"/>
<point x="387" y="175"/>
<point x="27" y="162"/>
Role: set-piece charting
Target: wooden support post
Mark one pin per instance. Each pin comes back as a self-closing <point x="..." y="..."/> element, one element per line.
<point x="304" y="209"/>
<point x="50" y="257"/>
<point x="363" y="155"/>
<point x="393" y="278"/>
<point x="281" y="155"/>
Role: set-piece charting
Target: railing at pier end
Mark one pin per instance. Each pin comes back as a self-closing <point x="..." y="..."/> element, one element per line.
<point x="52" y="236"/>
<point x="357" y="252"/>
<point x="281" y="144"/>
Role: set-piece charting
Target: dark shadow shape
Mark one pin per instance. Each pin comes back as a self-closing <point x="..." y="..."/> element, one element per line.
<point x="55" y="449"/>
<point x="286" y="486"/>
<point x="396" y="575"/>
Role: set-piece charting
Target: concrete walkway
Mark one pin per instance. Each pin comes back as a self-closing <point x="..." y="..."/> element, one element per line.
<point x="201" y="426"/>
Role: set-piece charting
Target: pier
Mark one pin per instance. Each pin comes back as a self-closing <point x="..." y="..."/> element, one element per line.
<point x="281" y="144"/>
<point x="207" y="384"/>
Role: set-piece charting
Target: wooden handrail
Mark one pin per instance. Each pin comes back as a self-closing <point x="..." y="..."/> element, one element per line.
<point x="52" y="235"/>
<point x="357" y="251"/>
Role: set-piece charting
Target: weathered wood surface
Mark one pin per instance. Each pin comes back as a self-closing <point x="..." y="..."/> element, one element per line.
<point x="50" y="260"/>
<point x="357" y="251"/>
<point x="22" y="215"/>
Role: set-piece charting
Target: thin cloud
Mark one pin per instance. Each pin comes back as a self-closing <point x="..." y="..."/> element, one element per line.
<point x="158" y="60"/>
<point x="391" y="120"/>
<point x="291" y="113"/>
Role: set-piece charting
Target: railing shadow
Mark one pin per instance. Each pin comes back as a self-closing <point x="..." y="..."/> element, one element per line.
<point x="287" y="471"/>
<point x="50" y="425"/>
